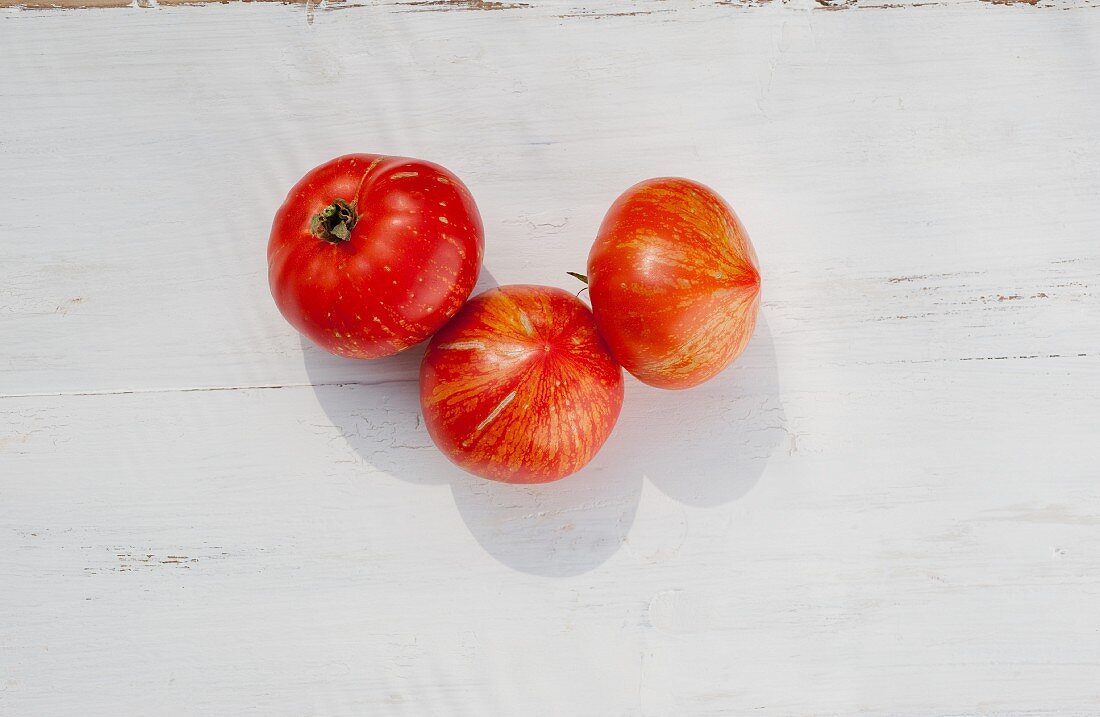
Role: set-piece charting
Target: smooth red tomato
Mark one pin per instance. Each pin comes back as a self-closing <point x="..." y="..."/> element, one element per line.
<point x="369" y="255"/>
<point x="674" y="282"/>
<point x="519" y="387"/>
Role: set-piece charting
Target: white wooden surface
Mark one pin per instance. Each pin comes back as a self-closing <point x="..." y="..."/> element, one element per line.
<point x="889" y="506"/>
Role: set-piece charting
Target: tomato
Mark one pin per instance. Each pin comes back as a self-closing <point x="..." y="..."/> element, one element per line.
<point x="369" y="254"/>
<point x="519" y="387"/>
<point x="674" y="282"/>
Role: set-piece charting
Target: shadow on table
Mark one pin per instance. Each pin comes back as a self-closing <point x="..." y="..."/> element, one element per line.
<point x="710" y="444"/>
<point x="704" y="446"/>
<point x="558" y="529"/>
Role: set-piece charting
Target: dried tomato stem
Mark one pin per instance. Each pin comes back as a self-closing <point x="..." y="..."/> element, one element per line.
<point x="335" y="222"/>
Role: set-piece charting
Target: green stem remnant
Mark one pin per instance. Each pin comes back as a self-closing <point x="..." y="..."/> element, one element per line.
<point x="335" y="222"/>
<point x="582" y="277"/>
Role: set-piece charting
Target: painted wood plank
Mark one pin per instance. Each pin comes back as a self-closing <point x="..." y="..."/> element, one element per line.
<point x="950" y="149"/>
<point x="885" y="542"/>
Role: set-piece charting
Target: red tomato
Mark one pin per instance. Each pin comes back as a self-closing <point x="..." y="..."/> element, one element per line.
<point x="369" y="255"/>
<point x="674" y="282"/>
<point x="519" y="387"/>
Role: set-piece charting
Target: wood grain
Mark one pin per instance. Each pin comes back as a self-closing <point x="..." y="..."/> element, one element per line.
<point x="888" y="506"/>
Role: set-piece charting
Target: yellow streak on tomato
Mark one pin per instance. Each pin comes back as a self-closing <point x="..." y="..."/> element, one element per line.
<point x="519" y="387"/>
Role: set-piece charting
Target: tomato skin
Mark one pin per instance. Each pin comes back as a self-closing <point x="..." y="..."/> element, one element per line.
<point x="519" y="387"/>
<point x="674" y="282"/>
<point x="405" y="268"/>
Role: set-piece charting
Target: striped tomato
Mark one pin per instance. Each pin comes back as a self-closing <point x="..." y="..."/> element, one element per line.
<point x="674" y="282"/>
<point x="519" y="387"/>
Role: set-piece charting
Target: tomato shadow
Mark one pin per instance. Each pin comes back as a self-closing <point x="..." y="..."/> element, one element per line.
<point x="375" y="406"/>
<point x="707" y="445"/>
<point x="555" y="530"/>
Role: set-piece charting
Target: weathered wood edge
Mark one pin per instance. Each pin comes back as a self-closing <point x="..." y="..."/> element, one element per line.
<point x="566" y="11"/>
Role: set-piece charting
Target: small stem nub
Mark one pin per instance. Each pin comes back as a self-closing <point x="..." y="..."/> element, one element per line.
<point x="335" y="222"/>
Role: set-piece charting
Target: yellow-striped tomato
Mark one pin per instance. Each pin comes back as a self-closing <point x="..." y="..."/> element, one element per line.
<point x="519" y="387"/>
<point x="674" y="282"/>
